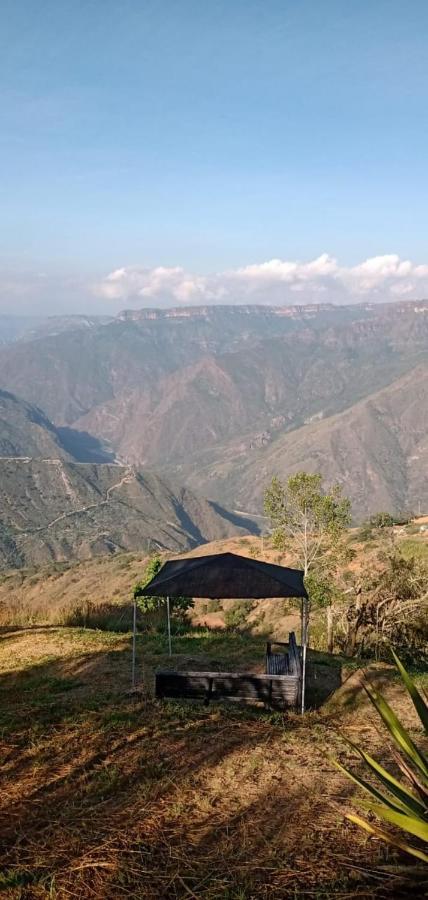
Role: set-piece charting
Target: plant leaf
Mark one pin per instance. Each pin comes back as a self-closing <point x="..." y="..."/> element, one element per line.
<point x="408" y="823"/>
<point x="421" y="789"/>
<point x="405" y="799"/>
<point x="389" y="838"/>
<point x="418" y="701"/>
<point x="373" y="791"/>
<point x="397" y="731"/>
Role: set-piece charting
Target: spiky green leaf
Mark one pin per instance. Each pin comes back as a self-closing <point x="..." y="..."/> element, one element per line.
<point x="388" y="838"/>
<point x="370" y="789"/>
<point x="410" y="824"/>
<point x="397" y="731"/>
<point x="419" y="702"/>
<point x="404" y="798"/>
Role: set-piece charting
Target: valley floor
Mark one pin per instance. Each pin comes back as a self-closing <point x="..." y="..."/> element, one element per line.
<point x="105" y="795"/>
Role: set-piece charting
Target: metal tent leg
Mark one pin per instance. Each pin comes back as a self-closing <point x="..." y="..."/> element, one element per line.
<point x="168" y="612"/>
<point x="305" y="615"/>
<point x="134" y="635"/>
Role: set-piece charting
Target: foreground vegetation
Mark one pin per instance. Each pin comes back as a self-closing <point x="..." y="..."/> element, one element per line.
<point x="106" y="794"/>
<point x="403" y="803"/>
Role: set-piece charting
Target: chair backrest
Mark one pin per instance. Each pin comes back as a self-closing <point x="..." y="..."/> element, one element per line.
<point x="294" y="656"/>
<point x="277" y="664"/>
<point x="286" y="663"/>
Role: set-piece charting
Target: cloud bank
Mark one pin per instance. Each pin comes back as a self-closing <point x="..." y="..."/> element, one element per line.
<point x="276" y="281"/>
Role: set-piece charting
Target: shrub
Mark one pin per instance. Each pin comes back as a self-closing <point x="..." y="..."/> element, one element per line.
<point x="104" y="616"/>
<point x="382" y="520"/>
<point x="365" y="532"/>
<point x="213" y="606"/>
<point x="153" y="608"/>
<point x="236" y="616"/>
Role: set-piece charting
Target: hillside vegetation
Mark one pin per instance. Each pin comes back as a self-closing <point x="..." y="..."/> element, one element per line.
<point x="377" y="450"/>
<point x="98" y="591"/>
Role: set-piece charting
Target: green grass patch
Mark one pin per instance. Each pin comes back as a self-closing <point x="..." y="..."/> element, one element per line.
<point x="411" y="547"/>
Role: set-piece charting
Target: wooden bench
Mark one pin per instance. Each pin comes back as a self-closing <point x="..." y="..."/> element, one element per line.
<point x="279" y="686"/>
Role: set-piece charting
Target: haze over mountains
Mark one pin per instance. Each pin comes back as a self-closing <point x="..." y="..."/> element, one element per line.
<point x="218" y="399"/>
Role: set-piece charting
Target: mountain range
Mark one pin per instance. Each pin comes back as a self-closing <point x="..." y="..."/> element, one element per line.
<point x="219" y="399"/>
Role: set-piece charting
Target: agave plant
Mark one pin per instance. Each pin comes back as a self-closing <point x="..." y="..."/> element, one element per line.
<point x="402" y="803"/>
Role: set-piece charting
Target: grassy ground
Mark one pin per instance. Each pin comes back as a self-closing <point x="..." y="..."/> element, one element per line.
<point x="106" y="795"/>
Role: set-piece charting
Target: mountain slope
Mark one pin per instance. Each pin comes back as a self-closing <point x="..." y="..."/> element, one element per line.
<point x="54" y="510"/>
<point x="256" y="392"/>
<point x="377" y="449"/>
<point x="26" y="431"/>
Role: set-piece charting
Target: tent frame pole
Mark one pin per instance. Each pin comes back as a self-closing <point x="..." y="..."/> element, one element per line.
<point x="134" y="641"/>
<point x="168" y="613"/>
<point x="304" y="613"/>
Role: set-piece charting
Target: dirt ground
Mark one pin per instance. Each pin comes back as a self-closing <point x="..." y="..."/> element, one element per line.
<point x="109" y="795"/>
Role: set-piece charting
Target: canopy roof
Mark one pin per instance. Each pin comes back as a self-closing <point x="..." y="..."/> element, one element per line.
<point x="223" y="576"/>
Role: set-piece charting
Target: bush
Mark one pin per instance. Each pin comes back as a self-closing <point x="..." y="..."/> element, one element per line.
<point x="382" y="520"/>
<point x="254" y="551"/>
<point x="104" y="616"/>
<point x="365" y="533"/>
<point x="236" y="616"/>
<point x="213" y="606"/>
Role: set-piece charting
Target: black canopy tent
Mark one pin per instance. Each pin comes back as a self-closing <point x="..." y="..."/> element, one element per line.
<point x="225" y="576"/>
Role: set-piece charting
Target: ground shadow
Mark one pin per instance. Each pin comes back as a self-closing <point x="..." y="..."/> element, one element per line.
<point x="322" y="678"/>
<point x="84" y="447"/>
<point x="237" y="519"/>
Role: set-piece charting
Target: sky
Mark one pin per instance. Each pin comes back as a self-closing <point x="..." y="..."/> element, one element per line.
<point x="158" y="152"/>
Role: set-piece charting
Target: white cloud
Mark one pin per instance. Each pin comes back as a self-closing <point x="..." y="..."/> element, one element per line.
<point x="290" y="272"/>
<point x="274" y="281"/>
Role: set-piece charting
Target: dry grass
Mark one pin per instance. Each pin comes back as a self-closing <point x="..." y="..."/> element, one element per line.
<point x="105" y="795"/>
<point x="98" y="591"/>
<point x="68" y="593"/>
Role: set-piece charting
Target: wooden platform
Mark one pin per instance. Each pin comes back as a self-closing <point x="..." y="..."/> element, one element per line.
<point x="278" y="687"/>
<point x="273" y="690"/>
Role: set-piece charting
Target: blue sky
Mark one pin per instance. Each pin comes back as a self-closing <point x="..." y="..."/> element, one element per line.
<point x="208" y="137"/>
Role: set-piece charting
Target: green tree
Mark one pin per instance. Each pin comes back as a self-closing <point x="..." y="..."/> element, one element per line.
<point x="179" y="605"/>
<point x="310" y="522"/>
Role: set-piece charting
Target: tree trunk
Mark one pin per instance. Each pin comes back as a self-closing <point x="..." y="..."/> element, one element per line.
<point x="330" y="631"/>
